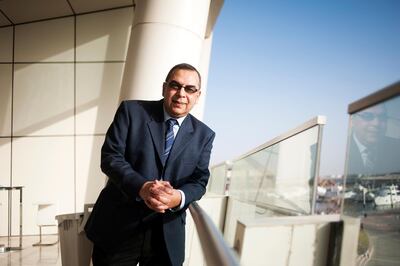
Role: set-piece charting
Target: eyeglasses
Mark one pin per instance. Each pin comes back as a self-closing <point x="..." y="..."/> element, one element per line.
<point x="368" y="116"/>
<point x="174" y="85"/>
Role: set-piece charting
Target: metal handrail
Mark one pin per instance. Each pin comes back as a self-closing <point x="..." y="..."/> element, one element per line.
<point x="375" y="98"/>
<point x="318" y="120"/>
<point x="215" y="249"/>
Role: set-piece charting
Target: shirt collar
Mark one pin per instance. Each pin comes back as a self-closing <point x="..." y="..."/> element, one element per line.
<point x="360" y="146"/>
<point x="167" y="116"/>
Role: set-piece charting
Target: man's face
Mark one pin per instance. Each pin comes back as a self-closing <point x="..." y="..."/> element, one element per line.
<point x="370" y="124"/>
<point x="178" y="100"/>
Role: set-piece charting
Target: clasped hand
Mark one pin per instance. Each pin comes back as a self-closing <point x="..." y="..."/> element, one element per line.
<point x="160" y="195"/>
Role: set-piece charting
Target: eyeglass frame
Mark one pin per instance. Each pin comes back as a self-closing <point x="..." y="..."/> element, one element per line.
<point x="189" y="89"/>
<point x="370" y="116"/>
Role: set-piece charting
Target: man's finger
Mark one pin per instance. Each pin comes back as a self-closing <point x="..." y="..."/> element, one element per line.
<point x="166" y="184"/>
<point x="159" y="202"/>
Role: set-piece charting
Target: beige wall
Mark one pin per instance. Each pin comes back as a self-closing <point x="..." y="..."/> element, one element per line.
<point x="60" y="84"/>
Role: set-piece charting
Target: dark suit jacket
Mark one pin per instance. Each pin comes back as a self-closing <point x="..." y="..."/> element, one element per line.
<point x="387" y="154"/>
<point x="130" y="156"/>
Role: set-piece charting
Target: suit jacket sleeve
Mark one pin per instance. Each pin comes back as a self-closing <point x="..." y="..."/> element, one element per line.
<point x="113" y="162"/>
<point x="195" y="187"/>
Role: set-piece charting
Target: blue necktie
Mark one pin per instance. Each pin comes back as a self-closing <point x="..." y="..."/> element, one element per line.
<point x="169" y="138"/>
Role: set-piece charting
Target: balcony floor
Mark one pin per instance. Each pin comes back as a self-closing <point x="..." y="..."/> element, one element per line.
<point x="29" y="255"/>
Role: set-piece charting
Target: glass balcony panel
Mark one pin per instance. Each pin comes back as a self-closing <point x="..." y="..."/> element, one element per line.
<point x="373" y="165"/>
<point x="280" y="176"/>
<point x="373" y="180"/>
<point x="217" y="180"/>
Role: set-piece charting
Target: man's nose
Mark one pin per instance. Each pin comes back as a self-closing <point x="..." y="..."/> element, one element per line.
<point x="376" y="121"/>
<point x="181" y="91"/>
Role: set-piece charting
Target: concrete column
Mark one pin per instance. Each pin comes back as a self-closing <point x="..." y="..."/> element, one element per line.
<point x="165" y="33"/>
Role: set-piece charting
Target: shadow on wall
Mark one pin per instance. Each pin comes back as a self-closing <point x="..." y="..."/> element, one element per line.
<point x="5" y="99"/>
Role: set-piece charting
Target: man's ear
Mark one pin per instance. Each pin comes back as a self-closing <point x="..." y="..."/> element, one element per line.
<point x="197" y="98"/>
<point x="164" y="86"/>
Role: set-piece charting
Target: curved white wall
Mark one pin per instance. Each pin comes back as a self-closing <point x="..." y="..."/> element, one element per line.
<point x="165" y="33"/>
<point x="68" y="85"/>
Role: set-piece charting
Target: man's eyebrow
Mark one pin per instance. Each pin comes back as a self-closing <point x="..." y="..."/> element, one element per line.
<point x="188" y="85"/>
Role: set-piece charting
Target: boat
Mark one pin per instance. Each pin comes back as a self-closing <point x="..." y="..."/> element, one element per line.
<point x="350" y="194"/>
<point x="388" y="196"/>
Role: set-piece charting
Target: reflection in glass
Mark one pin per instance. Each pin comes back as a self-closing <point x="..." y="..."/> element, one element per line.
<point x="372" y="151"/>
<point x="373" y="180"/>
<point x="373" y="169"/>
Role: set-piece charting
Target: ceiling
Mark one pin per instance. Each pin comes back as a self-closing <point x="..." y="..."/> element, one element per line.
<point x="14" y="12"/>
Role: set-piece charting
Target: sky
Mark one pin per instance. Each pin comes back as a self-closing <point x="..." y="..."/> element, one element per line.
<point x="276" y="64"/>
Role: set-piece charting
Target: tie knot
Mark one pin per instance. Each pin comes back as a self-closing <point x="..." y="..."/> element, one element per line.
<point x="369" y="152"/>
<point x="171" y="122"/>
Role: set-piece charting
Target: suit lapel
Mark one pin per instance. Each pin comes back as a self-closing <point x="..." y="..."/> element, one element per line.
<point x="355" y="160"/>
<point x="182" y="139"/>
<point x="156" y="128"/>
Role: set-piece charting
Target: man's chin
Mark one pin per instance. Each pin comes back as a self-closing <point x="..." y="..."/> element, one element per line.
<point x="372" y="140"/>
<point x="178" y="113"/>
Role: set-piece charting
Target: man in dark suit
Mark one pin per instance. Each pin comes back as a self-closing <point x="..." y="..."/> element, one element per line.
<point x="371" y="152"/>
<point x="139" y="216"/>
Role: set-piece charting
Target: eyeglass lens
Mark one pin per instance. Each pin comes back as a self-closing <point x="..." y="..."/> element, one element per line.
<point x="177" y="86"/>
<point x="368" y="116"/>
